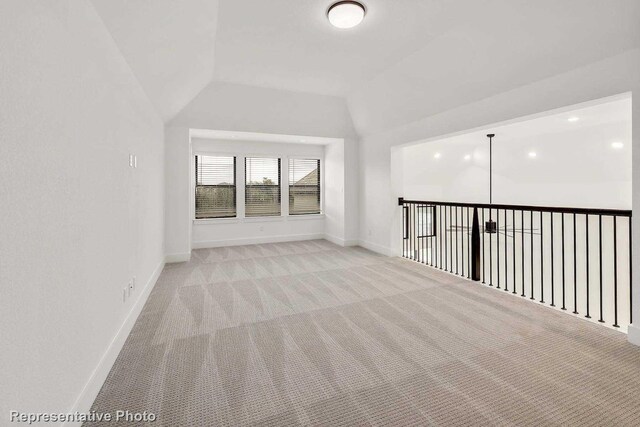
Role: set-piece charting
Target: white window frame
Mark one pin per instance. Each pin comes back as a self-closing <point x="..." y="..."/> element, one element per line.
<point x="321" y="159"/>
<point x="240" y="189"/>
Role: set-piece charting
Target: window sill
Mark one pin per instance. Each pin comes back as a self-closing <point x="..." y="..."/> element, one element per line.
<point x="308" y="217"/>
<point x="216" y="220"/>
<point x="305" y="216"/>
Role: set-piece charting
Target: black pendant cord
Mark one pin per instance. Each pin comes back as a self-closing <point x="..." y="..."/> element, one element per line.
<point x="491" y="226"/>
<point x="490" y="136"/>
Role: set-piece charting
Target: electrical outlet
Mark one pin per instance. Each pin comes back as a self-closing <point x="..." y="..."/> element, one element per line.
<point x="134" y="282"/>
<point x="124" y="294"/>
<point x="135" y="161"/>
<point x="130" y="160"/>
<point x="130" y="288"/>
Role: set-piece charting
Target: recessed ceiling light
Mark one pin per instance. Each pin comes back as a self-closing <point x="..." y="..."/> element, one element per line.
<point x="533" y="154"/>
<point x="467" y="157"/>
<point x="617" y="145"/>
<point x="436" y="156"/>
<point x="346" y="14"/>
<point x="573" y="119"/>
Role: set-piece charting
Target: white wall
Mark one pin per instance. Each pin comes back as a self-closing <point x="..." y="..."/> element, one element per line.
<point x="208" y="233"/>
<point x="575" y="163"/>
<point x="76" y="222"/>
<point x="233" y="107"/>
<point x="378" y="200"/>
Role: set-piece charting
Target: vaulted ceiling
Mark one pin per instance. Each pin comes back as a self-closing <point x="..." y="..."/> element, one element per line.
<point x="408" y="59"/>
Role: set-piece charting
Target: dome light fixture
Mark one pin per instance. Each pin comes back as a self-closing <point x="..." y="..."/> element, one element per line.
<point x="346" y="14"/>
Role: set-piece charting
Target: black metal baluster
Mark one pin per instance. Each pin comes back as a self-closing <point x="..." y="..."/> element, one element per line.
<point x="423" y="243"/>
<point x="482" y="232"/>
<point x="405" y="230"/>
<point x="615" y="272"/>
<point x="553" y="294"/>
<point x="416" y="224"/>
<point x="445" y="253"/>
<point x="468" y="245"/>
<point x="522" y="248"/>
<point x="441" y="234"/>
<point x="498" y="247"/>
<point x="541" y="258"/>
<point x="433" y="239"/>
<point x="450" y="260"/>
<point x="575" y="268"/>
<point x="423" y="240"/>
<point x="630" y="274"/>
<point x="446" y="234"/>
<point x="586" y="220"/>
<point x="513" y="227"/>
<point x="506" y="262"/>
<point x="455" y="233"/>
<point x="490" y="250"/>
<point x="416" y="232"/>
<point x="563" y="266"/>
<point x="601" y="320"/>
<point x="462" y="241"/>
<point x="411" y="231"/>
<point x="531" y="221"/>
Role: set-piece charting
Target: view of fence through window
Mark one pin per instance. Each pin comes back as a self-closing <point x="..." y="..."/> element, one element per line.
<point x="304" y="186"/>
<point x="215" y="187"/>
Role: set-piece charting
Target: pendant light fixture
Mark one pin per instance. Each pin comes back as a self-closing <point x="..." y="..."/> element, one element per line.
<point x="490" y="226"/>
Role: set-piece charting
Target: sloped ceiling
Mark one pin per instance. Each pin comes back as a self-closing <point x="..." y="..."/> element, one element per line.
<point x="408" y="59"/>
<point x="169" y="45"/>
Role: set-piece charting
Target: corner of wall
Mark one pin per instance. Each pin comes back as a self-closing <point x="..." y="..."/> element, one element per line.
<point x="633" y="334"/>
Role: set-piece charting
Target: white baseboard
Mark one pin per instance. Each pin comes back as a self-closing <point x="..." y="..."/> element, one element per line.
<point x="633" y="334"/>
<point x="339" y="241"/>
<point x="171" y="258"/>
<point x="92" y="387"/>
<point x="256" y="240"/>
<point x="384" y="250"/>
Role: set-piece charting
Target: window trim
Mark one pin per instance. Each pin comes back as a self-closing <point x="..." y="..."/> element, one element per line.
<point x="194" y="186"/>
<point x="240" y="196"/>
<point x="280" y="185"/>
<point x="321" y="171"/>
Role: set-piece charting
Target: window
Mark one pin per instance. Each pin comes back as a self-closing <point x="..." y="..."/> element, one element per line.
<point x="425" y="219"/>
<point x="262" y="186"/>
<point x="215" y="187"/>
<point x="304" y="186"/>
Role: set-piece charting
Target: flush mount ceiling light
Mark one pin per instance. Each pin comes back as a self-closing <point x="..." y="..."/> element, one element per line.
<point x="436" y="156"/>
<point x="573" y="119"/>
<point x="346" y="14"/>
<point x="533" y="154"/>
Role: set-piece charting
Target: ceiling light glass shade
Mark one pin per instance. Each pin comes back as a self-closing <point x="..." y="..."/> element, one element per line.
<point x="617" y="145"/>
<point x="346" y="14"/>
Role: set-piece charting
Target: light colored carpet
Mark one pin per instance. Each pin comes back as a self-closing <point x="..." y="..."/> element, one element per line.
<point x="309" y="333"/>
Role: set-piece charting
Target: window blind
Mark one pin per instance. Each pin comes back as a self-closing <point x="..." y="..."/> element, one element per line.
<point x="262" y="186"/>
<point x="215" y="187"/>
<point x="304" y="186"/>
